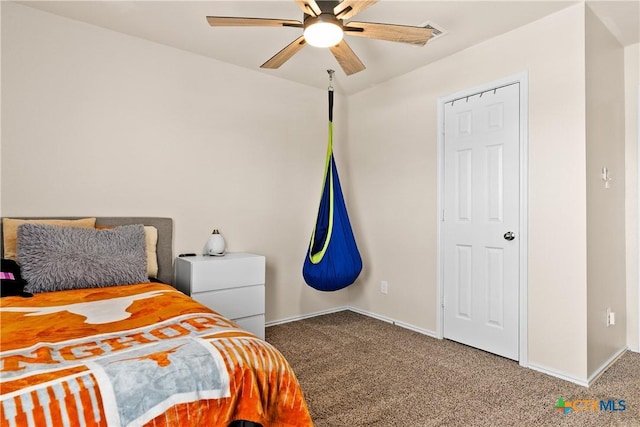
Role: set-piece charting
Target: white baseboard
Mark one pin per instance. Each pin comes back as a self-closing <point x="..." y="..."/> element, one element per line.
<point x="305" y="316"/>
<point x="602" y="368"/>
<point x="395" y="322"/>
<point x="580" y="381"/>
<point x="558" y="374"/>
<point x="355" y="310"/>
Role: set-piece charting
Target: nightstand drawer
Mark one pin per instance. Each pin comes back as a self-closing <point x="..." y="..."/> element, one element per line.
<point x="227" y="272"/>
<point x="234" y="303"/>
<point x="253" y="324"/>
<point x="233" y="285"/>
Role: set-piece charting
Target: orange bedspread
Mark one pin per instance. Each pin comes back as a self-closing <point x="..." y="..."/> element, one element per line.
<point x="137" y="355"/>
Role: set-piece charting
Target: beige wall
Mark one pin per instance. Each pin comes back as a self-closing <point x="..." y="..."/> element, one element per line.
<point x="393" y="136"/>
<point x="106" y="124"/>
<point x="632" y="141"/>
<point x="100" y="123"/>
<point x="606" y="284"/>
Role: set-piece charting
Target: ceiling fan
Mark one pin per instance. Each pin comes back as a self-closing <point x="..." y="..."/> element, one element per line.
<point x="324" y="26"/>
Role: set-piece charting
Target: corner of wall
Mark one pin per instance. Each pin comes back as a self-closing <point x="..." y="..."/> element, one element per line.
<point x="605" y="178"/>
<point x="632" y="175"/>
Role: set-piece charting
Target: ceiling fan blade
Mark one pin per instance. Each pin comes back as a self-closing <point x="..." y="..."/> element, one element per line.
<point x="285" y="54"/>
<point x="390" y="32"/>
<point x="228" y="21"/>
<point x="347" y="59"/>
<point x="349" y="8"/>
<point x="310" y="7"/>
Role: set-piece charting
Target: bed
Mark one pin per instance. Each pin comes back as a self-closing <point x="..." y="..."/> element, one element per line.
<point x="139" y="353"/>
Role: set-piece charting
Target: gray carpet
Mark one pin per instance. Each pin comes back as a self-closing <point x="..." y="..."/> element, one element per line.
<point x="359" y="371"/>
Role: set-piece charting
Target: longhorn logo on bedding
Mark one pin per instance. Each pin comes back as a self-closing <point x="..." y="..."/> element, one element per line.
<point x="167" y="363"/>
<point x="121" y="380"/>
<point x="15" y="363"/>
<point x="96" y="312"/>
<point x="159" y="357"/>
<point x="169" y="352"/>
<point x="582" y="405"/>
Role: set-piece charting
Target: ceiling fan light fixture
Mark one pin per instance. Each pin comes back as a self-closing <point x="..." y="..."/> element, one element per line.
<point x="323" y="31"/>
<point x="324" y="26"/>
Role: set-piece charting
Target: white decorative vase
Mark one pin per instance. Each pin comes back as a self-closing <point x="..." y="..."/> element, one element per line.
<point x="216" y="245"/>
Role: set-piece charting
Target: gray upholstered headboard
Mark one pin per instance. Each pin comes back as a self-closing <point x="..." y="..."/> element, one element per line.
<point x="165" y="238"/>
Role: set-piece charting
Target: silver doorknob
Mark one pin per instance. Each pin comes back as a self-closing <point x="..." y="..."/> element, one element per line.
<point x="509" y="235"/>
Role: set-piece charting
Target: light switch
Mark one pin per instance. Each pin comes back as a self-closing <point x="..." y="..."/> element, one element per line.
<point x="611" y="317"/>
<point x="605" y="176"/>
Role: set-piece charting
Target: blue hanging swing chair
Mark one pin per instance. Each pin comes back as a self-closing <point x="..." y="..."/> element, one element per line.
<point x="333" y="261"/>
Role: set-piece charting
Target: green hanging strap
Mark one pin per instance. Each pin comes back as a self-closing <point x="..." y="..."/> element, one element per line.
<point x="317" y="256"/>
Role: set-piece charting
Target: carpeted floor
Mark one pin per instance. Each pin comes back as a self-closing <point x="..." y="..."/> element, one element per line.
<point x="359" y="371"/>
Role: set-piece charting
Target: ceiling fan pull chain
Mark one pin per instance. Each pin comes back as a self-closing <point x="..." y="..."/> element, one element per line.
<point x="331" y="72"/>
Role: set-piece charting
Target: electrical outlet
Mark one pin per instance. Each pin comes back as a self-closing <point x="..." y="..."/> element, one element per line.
<point x="384" y="287"/>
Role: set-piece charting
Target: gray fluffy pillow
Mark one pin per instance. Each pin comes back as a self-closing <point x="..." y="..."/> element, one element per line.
<point x="54" y="258"/>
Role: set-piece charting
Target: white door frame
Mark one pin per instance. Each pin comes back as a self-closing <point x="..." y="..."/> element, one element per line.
<point x="523" y="80"/>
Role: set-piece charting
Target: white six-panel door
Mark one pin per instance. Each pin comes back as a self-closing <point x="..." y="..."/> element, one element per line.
<point x="481" y="207"/>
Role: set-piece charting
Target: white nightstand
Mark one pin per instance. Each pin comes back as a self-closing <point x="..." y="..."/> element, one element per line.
<point x="232" y="285"/>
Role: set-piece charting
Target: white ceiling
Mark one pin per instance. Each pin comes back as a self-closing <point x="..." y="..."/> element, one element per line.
<point x="182" y="24"/>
